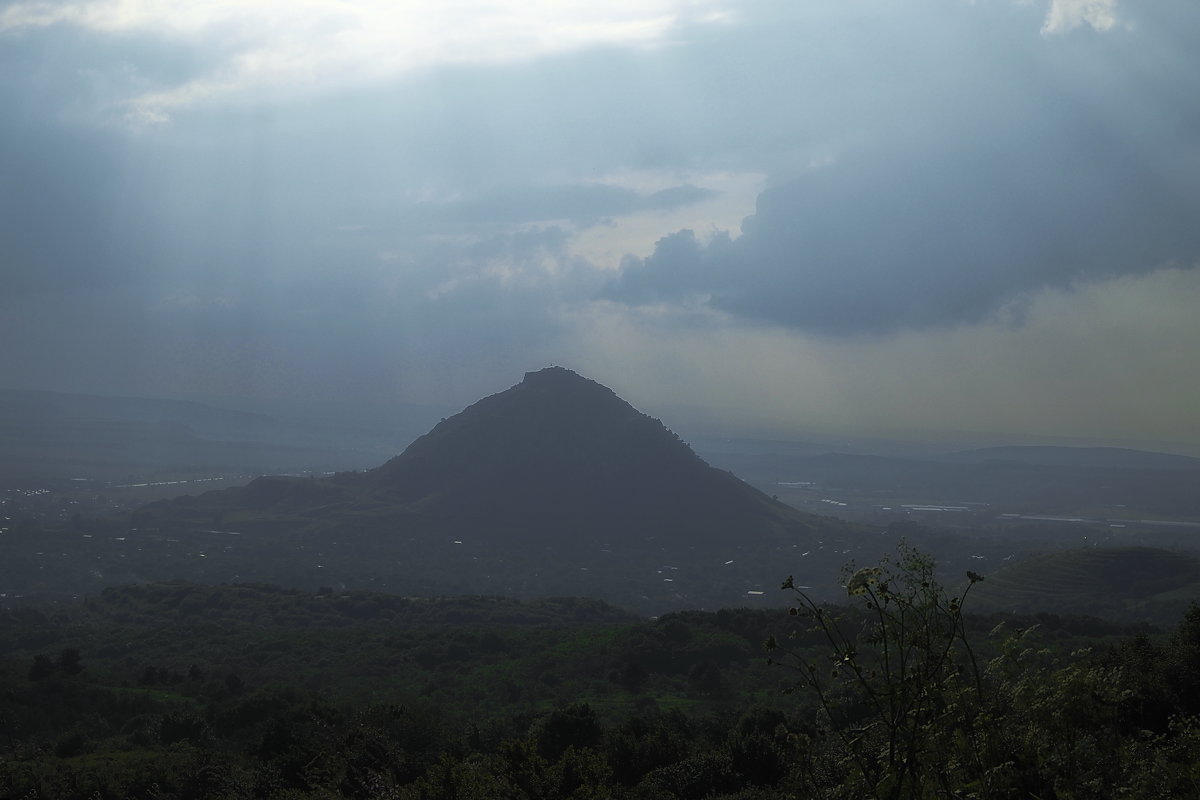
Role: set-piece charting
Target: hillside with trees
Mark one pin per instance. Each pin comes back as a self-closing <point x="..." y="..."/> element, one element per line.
<point x="188" y="691"/>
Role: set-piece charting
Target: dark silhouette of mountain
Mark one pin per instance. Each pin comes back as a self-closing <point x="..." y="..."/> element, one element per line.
<point x="554" y="486"/>
<point x="556" y="449"/>
<point x="558" y="443"/>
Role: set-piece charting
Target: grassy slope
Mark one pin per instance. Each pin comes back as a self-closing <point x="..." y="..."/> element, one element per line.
<point x="1119" y="583"/>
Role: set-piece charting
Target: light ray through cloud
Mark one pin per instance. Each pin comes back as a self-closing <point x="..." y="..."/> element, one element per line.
<point x="324" y="44"/>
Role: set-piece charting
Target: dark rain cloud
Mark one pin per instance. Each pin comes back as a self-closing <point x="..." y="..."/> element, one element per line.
<point x="887" y="245"/>
<point x="1078" y="162"/>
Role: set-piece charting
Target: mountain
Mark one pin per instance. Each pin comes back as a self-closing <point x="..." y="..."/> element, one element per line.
<point x="560" y="444"/>
<point x="554" y="486"/>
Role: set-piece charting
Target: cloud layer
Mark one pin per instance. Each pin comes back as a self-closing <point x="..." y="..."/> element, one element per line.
<point x="925" y="237"/>
<point x="1066" y="15"/>
<point x="797" y="214"/>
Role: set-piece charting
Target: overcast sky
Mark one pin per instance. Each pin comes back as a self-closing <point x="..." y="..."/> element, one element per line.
<point x="905" y="219"/>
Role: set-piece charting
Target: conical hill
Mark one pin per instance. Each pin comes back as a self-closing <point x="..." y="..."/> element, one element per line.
<point x="560" y="443"/>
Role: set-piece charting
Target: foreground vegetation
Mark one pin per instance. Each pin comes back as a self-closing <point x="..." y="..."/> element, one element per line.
<point x="186" y="691"/>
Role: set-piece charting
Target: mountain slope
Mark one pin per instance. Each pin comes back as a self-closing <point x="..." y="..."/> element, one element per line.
<point x="1087" y="457"/>
<point x="554" y="486"/>
<point x="558" y="443"/>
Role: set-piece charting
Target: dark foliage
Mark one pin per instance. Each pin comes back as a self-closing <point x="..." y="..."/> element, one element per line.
<point x="309" y="696"/>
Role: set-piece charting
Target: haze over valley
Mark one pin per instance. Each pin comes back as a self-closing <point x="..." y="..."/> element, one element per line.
<point x="553" y="487"/>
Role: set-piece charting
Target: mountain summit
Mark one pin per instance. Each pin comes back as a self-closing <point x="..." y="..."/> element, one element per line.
<point x="553" y="486"/>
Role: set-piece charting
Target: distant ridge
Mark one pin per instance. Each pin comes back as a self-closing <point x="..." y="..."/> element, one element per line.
<point x="1058" y="456"/>
<point x="47" y="436"/>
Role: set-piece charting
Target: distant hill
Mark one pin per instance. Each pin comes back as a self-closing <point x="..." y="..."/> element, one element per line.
<point x="1090" y="457"/>
<point x="55" y="435"/>
<point x="1120" y="583"/>
<point x="560" y="444"/>
<point x="553" y="487"/>
<point x="1095" y="482"/>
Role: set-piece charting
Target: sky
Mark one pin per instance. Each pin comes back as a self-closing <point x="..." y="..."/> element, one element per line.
<point x="919" y="220"/>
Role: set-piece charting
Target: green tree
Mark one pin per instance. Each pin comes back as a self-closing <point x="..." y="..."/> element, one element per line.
<point x="898" y="685"/>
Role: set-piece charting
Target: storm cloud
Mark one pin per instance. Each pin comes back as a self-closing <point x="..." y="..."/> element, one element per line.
<point x="934" y="237"/>
<point x="987" y="176"/>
